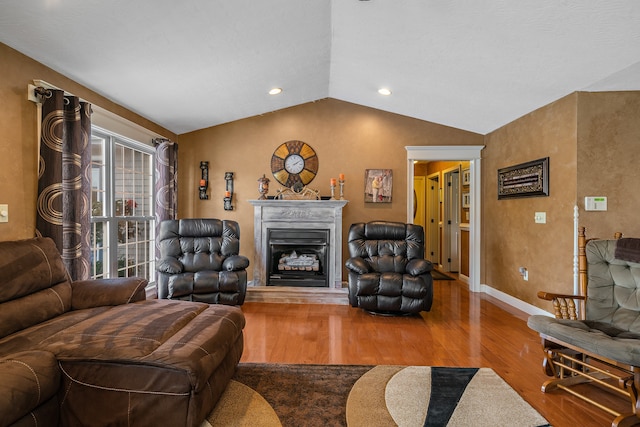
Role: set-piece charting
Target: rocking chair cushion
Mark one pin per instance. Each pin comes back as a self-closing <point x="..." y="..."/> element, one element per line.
<point x="593" y="337"/>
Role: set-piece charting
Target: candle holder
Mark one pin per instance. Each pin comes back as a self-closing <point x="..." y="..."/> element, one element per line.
<point x="204" y="180"/>
<point x="341" y="182"/>
<point x="333" y="192"/>
<point x="228" y="194"/>
<point x="263" y="187"/>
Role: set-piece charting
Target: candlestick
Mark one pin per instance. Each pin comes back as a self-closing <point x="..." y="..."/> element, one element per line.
<point x="341" y="189"/>
<point x="333" y="189"/>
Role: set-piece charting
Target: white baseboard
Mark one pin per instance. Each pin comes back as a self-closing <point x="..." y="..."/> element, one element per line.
<point x="513" y="302"/>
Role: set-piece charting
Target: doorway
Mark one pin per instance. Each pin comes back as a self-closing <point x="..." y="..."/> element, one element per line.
<point x="469" y="153"/>
<point x="432" y="230"/>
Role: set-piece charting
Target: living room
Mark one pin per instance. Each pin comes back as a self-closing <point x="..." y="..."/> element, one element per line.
<point x="590" y="137"/>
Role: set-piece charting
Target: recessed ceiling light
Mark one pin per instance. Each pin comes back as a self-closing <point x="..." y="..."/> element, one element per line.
<point x="275" y="91"/>
<point x="384" y="91"/>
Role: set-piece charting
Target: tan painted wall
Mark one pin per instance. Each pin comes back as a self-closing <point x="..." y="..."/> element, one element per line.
<point x="348" y="139"/>
<point x="18" y="136"/>
<point x="609" y="161"/>
<point x="593" y="142"/>
<point x="510" y="238"/>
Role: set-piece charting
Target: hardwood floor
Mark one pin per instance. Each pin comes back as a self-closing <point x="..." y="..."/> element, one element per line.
<point x="462" y="329"/>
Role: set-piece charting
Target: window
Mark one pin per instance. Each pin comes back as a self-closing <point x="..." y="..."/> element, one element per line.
<point x="122" y="207"/>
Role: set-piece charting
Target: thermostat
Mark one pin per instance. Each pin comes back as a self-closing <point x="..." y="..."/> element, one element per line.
<point x="598" y="203"/>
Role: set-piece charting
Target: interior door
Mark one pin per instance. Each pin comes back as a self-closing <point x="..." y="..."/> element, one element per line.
<point x="419" y="201"/>
<point x="451" y="244"/>
<point x="432" y="230"/>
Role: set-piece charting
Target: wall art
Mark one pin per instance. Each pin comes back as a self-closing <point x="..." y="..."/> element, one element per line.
<point x="529" y="179"/>
<point x="378" y="185"/>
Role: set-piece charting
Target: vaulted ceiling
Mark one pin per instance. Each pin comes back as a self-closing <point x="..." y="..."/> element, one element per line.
<point x="473" y="65"/>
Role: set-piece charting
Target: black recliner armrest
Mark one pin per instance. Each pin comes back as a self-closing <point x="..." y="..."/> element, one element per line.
<point x="418" y="266"/>
<point x="358" y="265"/>
<point x="170" y="265"/>
<point x="235" y="263"/>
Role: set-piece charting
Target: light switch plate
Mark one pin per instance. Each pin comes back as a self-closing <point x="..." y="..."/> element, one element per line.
<point x="4" y="213"/>
<point x="540" y="217"/>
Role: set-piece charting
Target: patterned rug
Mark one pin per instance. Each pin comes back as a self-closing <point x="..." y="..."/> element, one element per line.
<point x="353" y="395"/>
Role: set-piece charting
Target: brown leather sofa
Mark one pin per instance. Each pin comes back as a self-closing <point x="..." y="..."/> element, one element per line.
<point x="96" y="352"/>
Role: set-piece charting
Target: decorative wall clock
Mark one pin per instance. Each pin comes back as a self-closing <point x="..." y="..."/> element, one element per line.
<point x="294" y="162"/>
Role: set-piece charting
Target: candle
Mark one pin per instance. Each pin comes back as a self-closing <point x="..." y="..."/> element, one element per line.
<point x="227" y="194"/>
<point x="342" y="177"/>
<point x="202" y="183"/>
<point x="333" y="181"/>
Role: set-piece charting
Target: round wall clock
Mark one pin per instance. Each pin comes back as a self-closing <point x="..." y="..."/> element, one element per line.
<point x="294" y="162"/>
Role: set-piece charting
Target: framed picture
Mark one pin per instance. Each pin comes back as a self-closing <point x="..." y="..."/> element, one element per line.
<point x="378" y="185"/>
<point x="466" y="200"/>
<point x="466" y="177"/>
<point x="529" y="179"/>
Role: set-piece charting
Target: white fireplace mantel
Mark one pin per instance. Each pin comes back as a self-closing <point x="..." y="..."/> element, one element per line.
<point x="298" y="214"/>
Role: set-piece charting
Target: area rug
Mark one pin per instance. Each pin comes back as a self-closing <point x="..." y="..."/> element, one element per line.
<point x="437" y="275"/>
<point x="353" y="395"/>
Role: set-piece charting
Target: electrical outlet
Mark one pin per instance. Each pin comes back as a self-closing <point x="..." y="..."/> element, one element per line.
<point x="524" y="273"/>
<point x="4" y="213"/>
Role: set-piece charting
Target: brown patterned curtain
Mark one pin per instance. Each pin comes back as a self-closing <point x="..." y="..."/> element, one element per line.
<point x="166" y="181"/>
<point x="64" y="183"/>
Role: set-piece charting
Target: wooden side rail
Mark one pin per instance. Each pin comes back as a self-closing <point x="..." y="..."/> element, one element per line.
<point x="570" y="366"/>
<point x="564" y="306"/>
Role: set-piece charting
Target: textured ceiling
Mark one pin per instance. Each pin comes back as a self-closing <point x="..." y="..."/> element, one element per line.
<point x="473" y="65"/>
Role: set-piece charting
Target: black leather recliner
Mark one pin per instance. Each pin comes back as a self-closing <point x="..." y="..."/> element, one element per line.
<point x="387" y="270"/>
<point x="200" y="261"/>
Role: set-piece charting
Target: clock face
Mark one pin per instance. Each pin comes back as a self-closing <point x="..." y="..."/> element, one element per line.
<point x="294" y="162"/>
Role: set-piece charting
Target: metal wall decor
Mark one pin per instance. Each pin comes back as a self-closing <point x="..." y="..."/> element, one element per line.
<point x="530" y="179"/>
<point x="228" y="194"/>
<point x="204" y="180"/>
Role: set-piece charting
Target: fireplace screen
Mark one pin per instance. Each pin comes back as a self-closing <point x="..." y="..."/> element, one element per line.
<point x="298" y="257"/>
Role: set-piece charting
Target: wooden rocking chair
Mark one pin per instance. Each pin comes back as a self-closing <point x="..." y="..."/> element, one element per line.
<point x="595" y="336"/>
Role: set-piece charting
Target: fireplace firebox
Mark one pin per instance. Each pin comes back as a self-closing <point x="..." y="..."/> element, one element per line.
<point x="297" y="257"/>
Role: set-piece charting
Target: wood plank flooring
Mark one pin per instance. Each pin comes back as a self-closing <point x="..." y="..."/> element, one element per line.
<point x="462" y="329"/>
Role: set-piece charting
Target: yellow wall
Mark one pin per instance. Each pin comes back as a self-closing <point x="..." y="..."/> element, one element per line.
<point x="18" y="136"/>
<point x="347" y="138"/>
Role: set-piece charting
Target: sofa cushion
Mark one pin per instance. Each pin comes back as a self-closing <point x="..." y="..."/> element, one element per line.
<point x="30" y="380"/>
<point x="34" y="286"/>
<point x="148" y="352"/>
<point x="614" y="287"/>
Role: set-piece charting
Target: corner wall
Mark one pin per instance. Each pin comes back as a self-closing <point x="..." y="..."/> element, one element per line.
<point x="510" y="238"/>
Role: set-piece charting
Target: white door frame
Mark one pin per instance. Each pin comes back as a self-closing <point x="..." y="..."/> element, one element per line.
<point x="455" y="152"/>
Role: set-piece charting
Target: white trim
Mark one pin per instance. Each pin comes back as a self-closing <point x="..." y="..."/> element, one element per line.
<point x="472" y="153"/>
<point x="514" y="302"/>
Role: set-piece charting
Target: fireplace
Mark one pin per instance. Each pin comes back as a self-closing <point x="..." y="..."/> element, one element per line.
<point x="297" y="257"/>
<point x="311" y="228"/>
